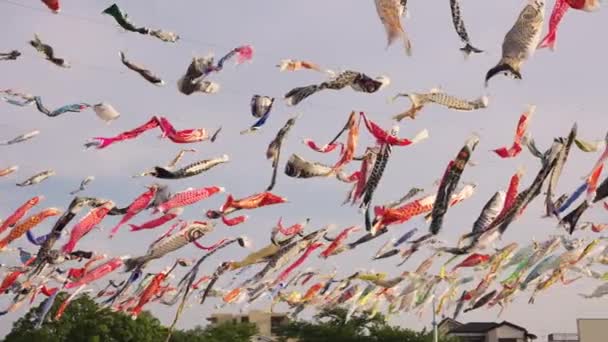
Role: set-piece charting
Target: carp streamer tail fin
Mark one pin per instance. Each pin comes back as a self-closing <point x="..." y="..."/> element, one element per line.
<point x="469" y="49"/>
<point x="297" y="95"/>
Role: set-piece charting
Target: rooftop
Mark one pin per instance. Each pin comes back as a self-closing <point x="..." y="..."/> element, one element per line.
<point x="483" y="327"/>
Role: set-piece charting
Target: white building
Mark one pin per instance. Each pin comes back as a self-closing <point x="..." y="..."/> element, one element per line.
<point x="491" y="332"/>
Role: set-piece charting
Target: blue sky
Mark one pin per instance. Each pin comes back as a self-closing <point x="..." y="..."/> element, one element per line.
<point x="565" y="85"/>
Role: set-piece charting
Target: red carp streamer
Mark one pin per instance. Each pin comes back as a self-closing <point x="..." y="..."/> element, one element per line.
<point x="522" y="126"/>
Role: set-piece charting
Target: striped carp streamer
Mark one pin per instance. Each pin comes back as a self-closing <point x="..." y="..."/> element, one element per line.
<point x="201" y="67"/>
<point x="521" y="41"/>
<point x="390" y="13"/>
<point x="142" y="71"/>
<point x="186" y="136"/>
<point x="191" y="232"/>
<point x="436" y="96"/>
<point x="357" y="81"/>
<point x="37" y="178"/>
<point x="10" y="56"/>
<point x="273" y="152"/>
<point x="21" y="138"/>
<point x="48" y="52"/>
<point x="449" y="182"/>
<point x="248" y="203"/>
<point x="461" y="30"/>
<point x="560" y="9"/>
<point x="187" y="171"/>
<point x="522" y="126"/>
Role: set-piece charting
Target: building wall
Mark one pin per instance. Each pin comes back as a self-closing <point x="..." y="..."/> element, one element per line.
<point x="261" y="320"/>
<point x="592" y="330"/>
<point x="506" y="331"/>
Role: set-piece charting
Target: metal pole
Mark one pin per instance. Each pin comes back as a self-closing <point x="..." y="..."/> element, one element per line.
<point x="435" y="332"/>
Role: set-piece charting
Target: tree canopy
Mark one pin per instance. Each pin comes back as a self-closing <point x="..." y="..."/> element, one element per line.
<point x="332" y="325"/>
<point x="84" y="320"/>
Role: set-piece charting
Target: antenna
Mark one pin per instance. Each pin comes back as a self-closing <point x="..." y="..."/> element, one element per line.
<point x="435" y="332"/>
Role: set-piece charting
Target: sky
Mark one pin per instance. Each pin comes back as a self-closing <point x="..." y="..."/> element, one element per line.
<point x="566" y="85"/>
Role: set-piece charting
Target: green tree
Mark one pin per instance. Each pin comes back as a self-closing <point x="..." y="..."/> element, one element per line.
<point x="331" y="325"/>
<point x="233" y="332"/>
<point x="85" y="321"/>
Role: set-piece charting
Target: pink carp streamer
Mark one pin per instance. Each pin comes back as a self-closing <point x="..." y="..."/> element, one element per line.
<point x="186" y="136"/>
<point x="522" y="126"/>
<point x="559" y="10"/>
<point x="288" y="231"/>
<point x="82" y="228"/>
<point x="323" y="149"/>
<point x="188" y="197"/>
<point x="138" y="205"/>
<point x="97" y="273"/>
<point x="159" y="221"/>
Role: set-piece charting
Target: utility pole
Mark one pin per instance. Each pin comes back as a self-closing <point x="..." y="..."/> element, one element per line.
<point x="435" y="332"/>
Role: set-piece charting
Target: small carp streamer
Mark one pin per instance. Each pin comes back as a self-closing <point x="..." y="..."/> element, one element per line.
<point x="194" y="80"/>
<point x="295" y="65"/>
<point x="521" y="41"/>
<point x="357" y="81"/>
<point x="187" y="171"/>
<point x="53" y="5"/>
<point x="260" y="109"/>
<point x="10" y="56"/>
<point x="142" y="71"/>
<point x="461" y="30"/>
<point x="273" y="152"/>
<point x="522" y="126"/>
<point x="186" y="136"/>
<point x="248" y="203"/>
<point x="390" y="13"/>
<point x="419" y="100"/>
<point x="21" y="138"/>
<point x="37" y="178"/>
<point x="48" y="52"/>
<point x="123" y="21"/>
